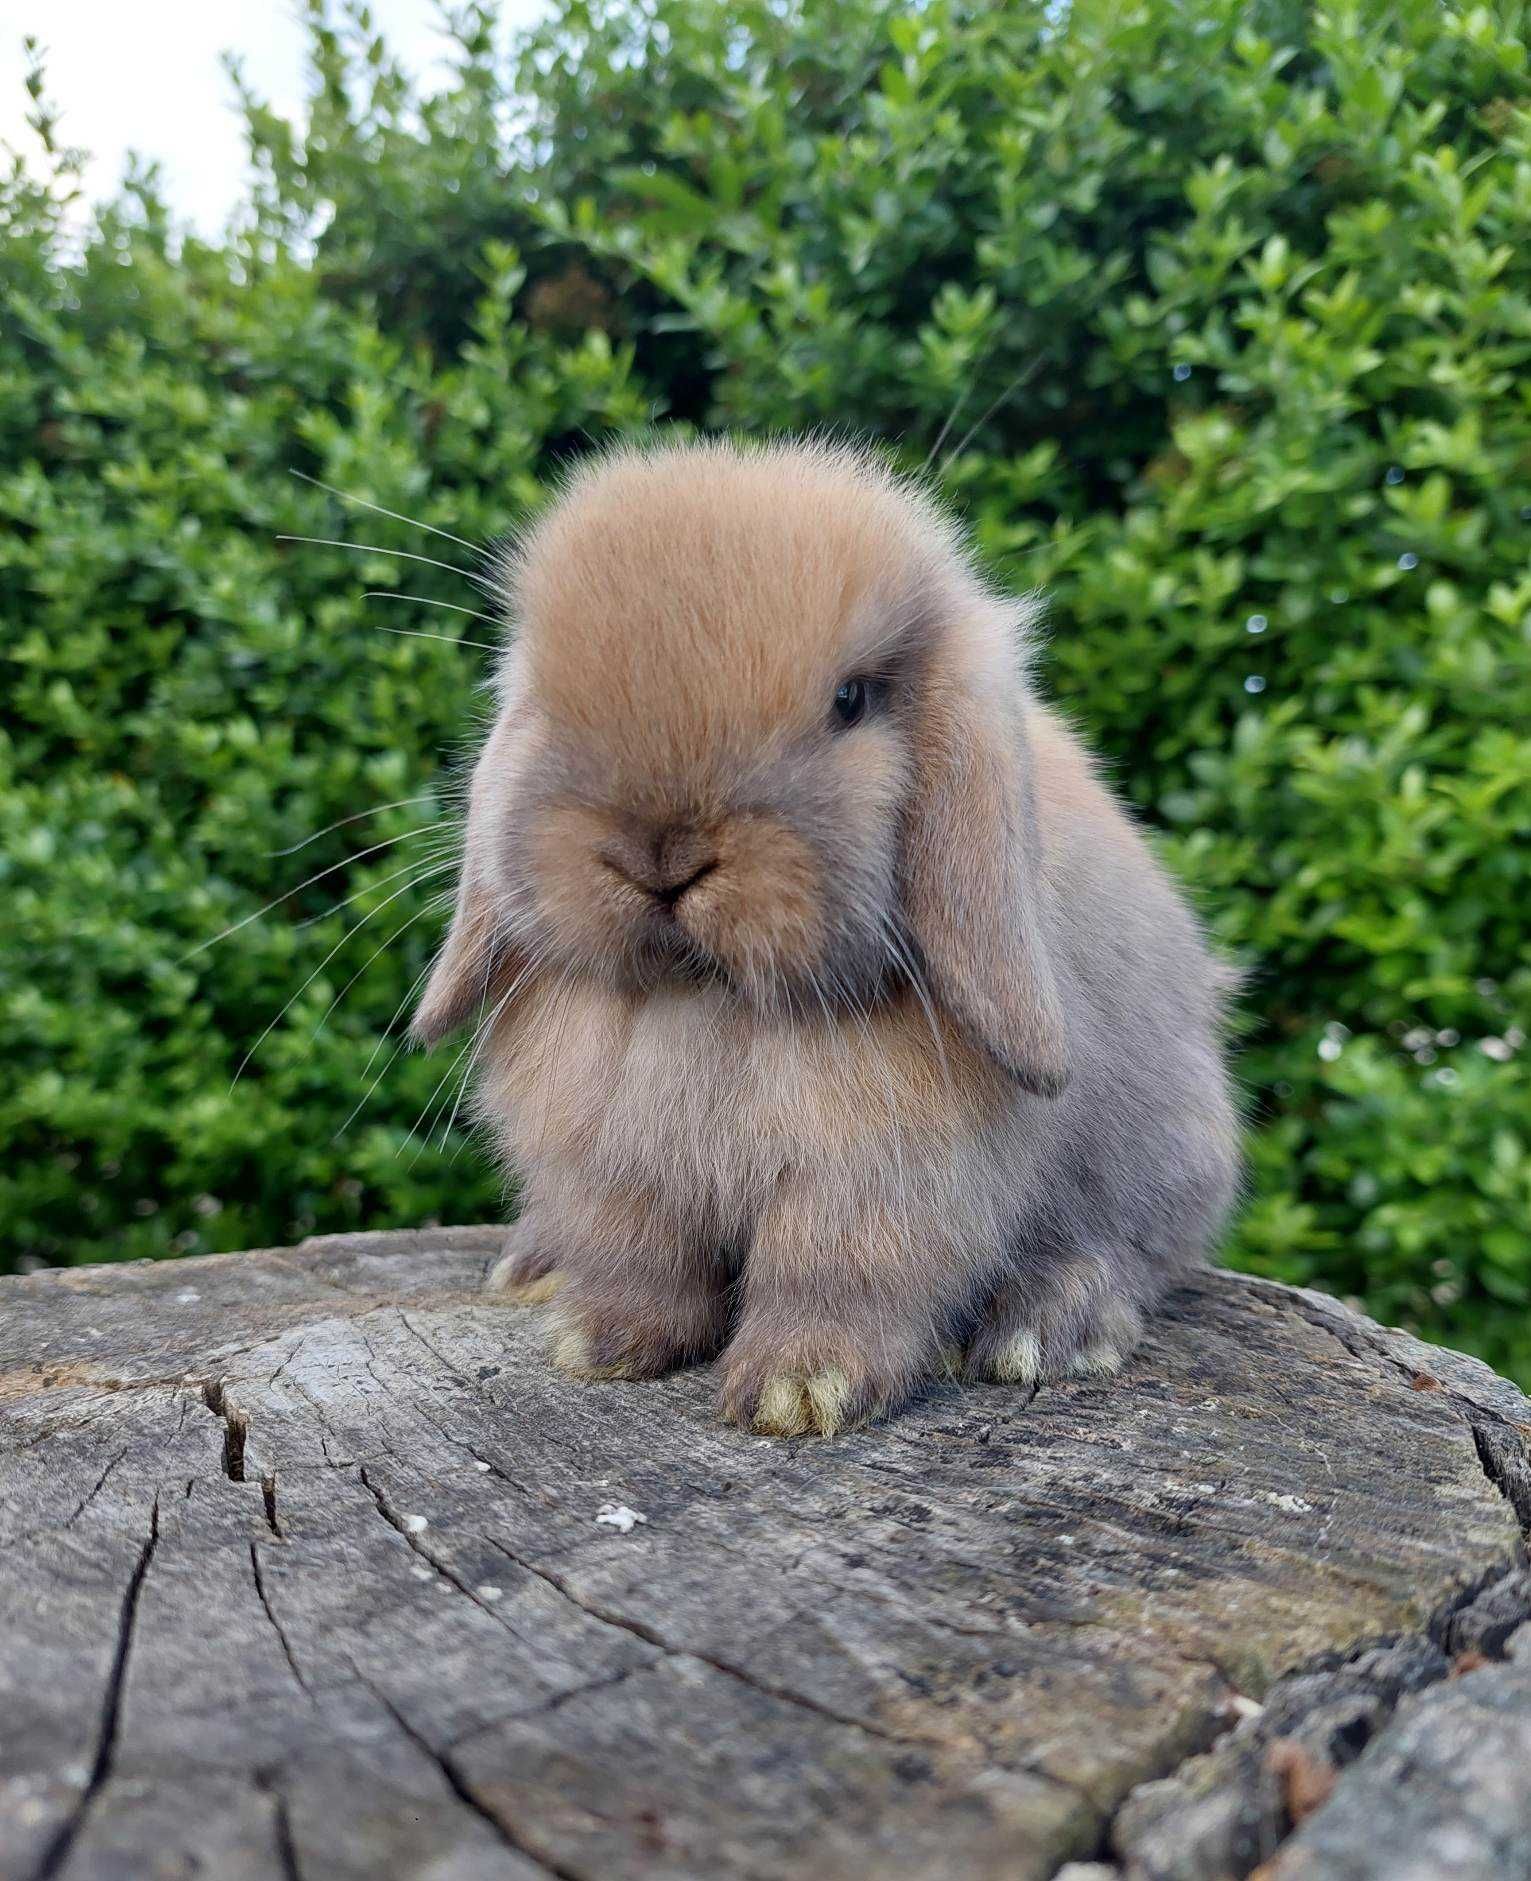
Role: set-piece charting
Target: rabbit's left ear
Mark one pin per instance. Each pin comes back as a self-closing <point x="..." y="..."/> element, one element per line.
<point x="972" y="887"/>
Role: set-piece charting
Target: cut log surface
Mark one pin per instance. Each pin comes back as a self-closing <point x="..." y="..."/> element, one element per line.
<point x="312" y="1567"/>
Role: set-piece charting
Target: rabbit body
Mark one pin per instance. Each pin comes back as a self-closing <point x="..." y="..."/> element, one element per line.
<point x="833" y="1016"/>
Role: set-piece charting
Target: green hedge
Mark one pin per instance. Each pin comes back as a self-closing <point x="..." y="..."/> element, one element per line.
<point x="1215" y="320"/>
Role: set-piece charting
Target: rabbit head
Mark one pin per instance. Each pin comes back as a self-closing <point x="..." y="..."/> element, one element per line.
<point x="760" y="723"/>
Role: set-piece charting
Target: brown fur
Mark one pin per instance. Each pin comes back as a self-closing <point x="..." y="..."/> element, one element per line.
<point x="819" y="1046"/>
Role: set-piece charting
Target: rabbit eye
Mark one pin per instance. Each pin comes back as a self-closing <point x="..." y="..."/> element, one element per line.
<point x="854" y="698"/>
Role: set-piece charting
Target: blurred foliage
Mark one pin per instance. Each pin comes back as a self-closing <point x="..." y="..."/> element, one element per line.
<point x="1215" y="322"/>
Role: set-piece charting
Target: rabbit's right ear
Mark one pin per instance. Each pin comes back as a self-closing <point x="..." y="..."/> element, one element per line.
<point x="475" y="965"/>
<point x="479" y="959"/>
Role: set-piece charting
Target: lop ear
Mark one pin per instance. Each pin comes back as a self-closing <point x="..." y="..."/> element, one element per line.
<point x="972" y="887"/>
<point x="472" y="970"/>
<point x="478" y="960"/>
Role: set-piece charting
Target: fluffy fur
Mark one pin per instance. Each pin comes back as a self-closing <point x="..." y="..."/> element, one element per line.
<point x="822" y="1046"/>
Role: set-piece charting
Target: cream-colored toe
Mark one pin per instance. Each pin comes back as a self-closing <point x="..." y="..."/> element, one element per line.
<point x="1019" y="1360"/>
<point x="1095" y="1361"/>
<point x="569" y="1349"/>
<point x="783" y="1408"/>
<point x="793" y="1404"/>
<point x="528" y="1292"/>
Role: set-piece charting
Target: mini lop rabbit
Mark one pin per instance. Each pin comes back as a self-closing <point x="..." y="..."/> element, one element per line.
<point x="832" y="1013"/>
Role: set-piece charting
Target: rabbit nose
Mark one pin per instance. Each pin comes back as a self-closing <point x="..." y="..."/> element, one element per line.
<point x="664" y="863"/>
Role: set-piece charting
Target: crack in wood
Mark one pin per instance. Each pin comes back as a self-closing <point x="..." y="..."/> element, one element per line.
<point x="236" y="1438"/>
<point x="75" y="1513"/>
<point x="1205" y="1820"/>
<point x="525" y="1714"/>
<point x="57" y="1852"/>
<point x="1501" y="1446"/>
<point x="639" y="1630"/>
<point x="1504" y="1460"/>
<point x="504" y="1831"/>
<point x="1305" y="1706"/>
<point x="784" y="1694"/>
<point x="281" y="1826"/>
<point x="276" y="1625"/>
<point x="235" y="1428"/>
<point x="417" y="1546"/>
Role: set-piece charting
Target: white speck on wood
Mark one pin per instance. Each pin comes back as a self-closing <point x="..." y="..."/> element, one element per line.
<point x="617" y="1515"/>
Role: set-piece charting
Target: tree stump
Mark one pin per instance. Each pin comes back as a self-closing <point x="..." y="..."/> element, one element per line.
<point x="312" y="1567"/>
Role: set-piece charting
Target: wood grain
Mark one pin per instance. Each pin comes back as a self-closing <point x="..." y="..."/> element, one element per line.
<point x="302" y="1574"/>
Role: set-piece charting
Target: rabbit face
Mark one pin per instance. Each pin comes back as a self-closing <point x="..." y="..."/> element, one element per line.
<point x="710" y="709"/>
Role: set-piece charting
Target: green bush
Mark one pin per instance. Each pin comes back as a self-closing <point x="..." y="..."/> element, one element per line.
<point x="1214" y="321"/>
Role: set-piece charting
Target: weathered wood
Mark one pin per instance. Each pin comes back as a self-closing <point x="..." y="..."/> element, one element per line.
<point x="303" y="1574"/>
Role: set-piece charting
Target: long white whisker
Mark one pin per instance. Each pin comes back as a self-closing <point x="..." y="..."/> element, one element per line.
<point x="391" y="1060"/>
<point x="480" y="1039"/>
<point x="422" y="600"/>
<point x="271" y="1024"/>
<point x="951" y="419"/>
<point x="287" y="893"/>
<point x="468" y="1070"/>
<point x="466" y="1051"/>
<point x="346" y="496"/>
<point x="436" y="860"/>
<point x="978" y="423"/>
<point x="433" y="906"/>
<point x="471" y="1049"/>
<point x="373" y="548"/>
<point x="399" y="803"/>
<point x="419" y="633"/>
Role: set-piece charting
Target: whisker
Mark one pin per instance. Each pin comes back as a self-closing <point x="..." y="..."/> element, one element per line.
<point x="469" y="1050"/>
<point x="419" y="633"/>
<point x="373" y="548"/>
<point x="271" y="1024"/>
<point x="346" y="496"/>
<point x="286" y="895"/>
<point x="399" y="803"/>
<point x="951" y="419"/>
<point x="489" y="955"/>
<point x="392" y="1058"/>
<point x="466" y="1051"/>
<point x="433" y="906"/>
<point x="480" y="1038"/>
<point x="421" y="600"/>
<point x="1020" y="379"/>
<point x="438" y="859"/>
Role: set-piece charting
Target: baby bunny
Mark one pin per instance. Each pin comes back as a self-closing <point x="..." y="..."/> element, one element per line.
<point x="833" y="1015"/>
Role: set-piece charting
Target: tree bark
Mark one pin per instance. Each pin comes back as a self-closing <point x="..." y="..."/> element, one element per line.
<point x="312" y="1567"/>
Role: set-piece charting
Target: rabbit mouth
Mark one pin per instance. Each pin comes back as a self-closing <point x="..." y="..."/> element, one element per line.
<point x="666" y="955"/>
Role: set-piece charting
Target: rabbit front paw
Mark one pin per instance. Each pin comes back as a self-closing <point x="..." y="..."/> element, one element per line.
<point x="526" y="1272"/>
<point x="801" y="1388"/>
<point x="595" y="1336"/>
<point x="1071" y="1323"/>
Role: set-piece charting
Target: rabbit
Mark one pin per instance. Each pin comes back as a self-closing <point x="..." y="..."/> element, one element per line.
<point x="836" y="1020"/>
